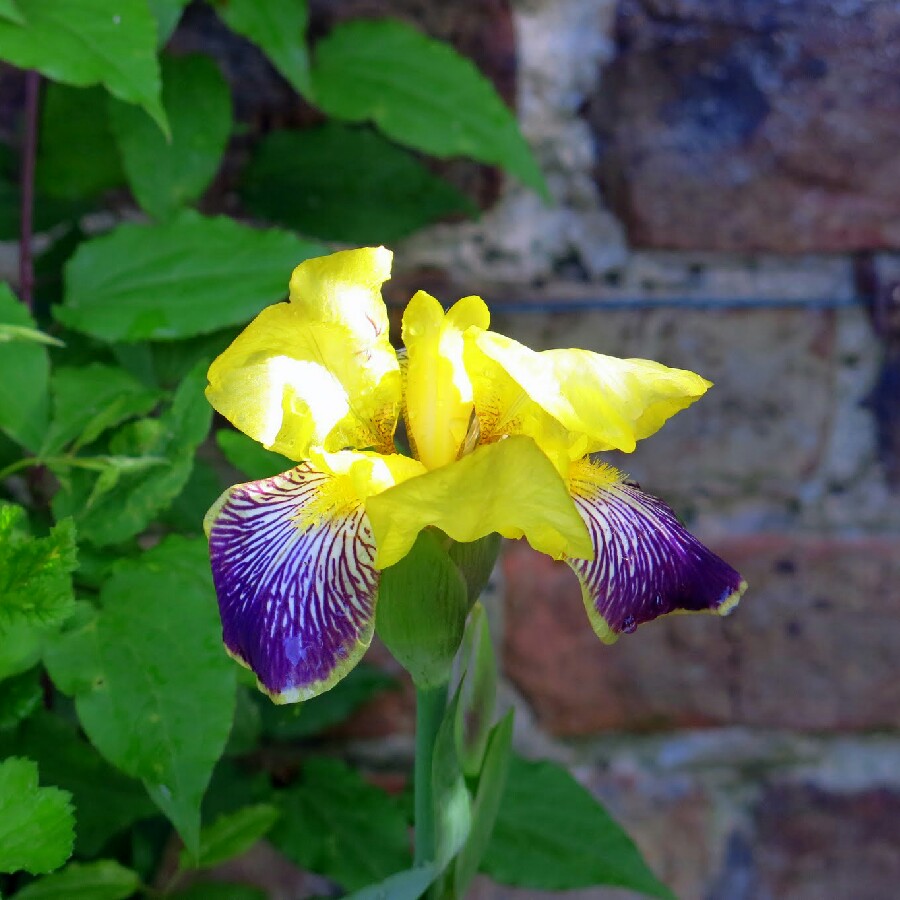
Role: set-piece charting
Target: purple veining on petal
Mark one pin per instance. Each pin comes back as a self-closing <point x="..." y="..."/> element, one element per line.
<point x="296" y="595"/>
<point x="647" y="563"/>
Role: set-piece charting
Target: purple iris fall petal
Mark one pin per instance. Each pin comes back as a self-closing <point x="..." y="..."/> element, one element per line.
<point x="292" y="566"/>
<point x="646" y="562"/>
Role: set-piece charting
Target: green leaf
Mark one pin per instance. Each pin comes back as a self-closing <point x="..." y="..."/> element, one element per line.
<point x="421" y="611"/>
<point x="551" y="834"/>
<point x="233" y="834"/>
<point x="190" y="276"/>
<point x="35" y="573"/>
<point x="21" y="645"/>
<point x="336" y="824"/>
<point x="20" y="333"/>
<point x="37" y="827"/>
<point x="167" y="14"/>
<point x="20" y="696"/>
<point x="85" y="42"/>
<point x="24" y="377"/>
<point x="295" y="721"/>
<point x="420" y="92"/>
<point x="48" y="212"/>
<point x="452" y="801"/>
<point x="76" y="118"/>
<point x="168" y="174"/>
<point x="153" y="687"/>
<point x="278" y="28"/>
<point x="104" y="879"/>
<point x="119" y="502"/>
<point x="106" y="801"/>
<point x="476" y="560"/>
<point x="250" y="457"/>
<point x="491" y="782"/>
<point x="407" y="885"/>
<point x="201" y="490"/>
<point x="90" y="399"/>
<point x="9" y="10"/>
<point x="345" y="184"/>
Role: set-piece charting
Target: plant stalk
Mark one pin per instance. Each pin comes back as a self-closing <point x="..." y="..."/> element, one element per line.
<point x="26" y="211"/>
<point x="431" y="703"/>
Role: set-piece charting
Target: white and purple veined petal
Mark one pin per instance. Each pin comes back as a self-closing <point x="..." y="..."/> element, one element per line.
<point x="292" y="566"/>
<point x="646" y="562"/>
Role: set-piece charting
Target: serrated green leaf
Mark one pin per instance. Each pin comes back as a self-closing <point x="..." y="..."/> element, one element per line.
<point x="190" y="276"/>
<point x="85" y="42"/>
<point x="106" y="801"/>
<point x="346" y="184"/>
<point x="120" y="507"/>
<point x="76" y="118"/>
<point x="407" y="885"/>
<point x="167" y="14"/>
<point x="90" y="399"/>
<point x="295" y="721"/>
<point x="491" y="782"/>
<point x="233" y="834"/>
<point x="249" y="457"/>
<point x="104" y="879"/>
<point x="20" y="696"/>
<point x="551" y="834"/>
<point x="278" y="28"/>
<point x="37" y="827"/>
<point x="9" y="10"/>
<point x="420" y="92"/>
<point x="166" y="175"/>
<point x="24" y="377"/>
<point x="35" y="573"/>
<point x="153" y="687"/>
<point x="336" y="824"/>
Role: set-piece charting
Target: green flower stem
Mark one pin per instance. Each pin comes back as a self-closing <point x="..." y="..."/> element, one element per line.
<point x="431" y="704"/>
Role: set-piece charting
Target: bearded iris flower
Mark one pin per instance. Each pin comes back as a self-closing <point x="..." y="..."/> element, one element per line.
<point x="501" y="440"/>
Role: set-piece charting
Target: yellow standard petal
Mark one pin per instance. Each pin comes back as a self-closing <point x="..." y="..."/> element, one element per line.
<point x="509" y="487"/>
<point x="319" y="370"/>
<point x="611" y="403"/>
<point x="438" y="390"/>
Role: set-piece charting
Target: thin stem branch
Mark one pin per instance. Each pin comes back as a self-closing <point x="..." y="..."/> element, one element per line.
<point x="430" y="706"/>
<point x="29" y="155"/>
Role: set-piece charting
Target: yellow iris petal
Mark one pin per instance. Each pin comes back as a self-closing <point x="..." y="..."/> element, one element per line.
<point x="319" y="369"/>
<point x="438" y="390"/>
<point x="607" y="403"/>
<point x="509" y="487"/>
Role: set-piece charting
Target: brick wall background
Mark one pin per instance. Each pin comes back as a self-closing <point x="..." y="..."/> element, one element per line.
<point x="726" y="183"/>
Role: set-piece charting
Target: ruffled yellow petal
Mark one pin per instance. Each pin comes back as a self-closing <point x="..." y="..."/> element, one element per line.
<point x="438" y="390"/>
<point x="509" y="487"/>
<point x="319" y="370"/>
<point x="611" y="403"/>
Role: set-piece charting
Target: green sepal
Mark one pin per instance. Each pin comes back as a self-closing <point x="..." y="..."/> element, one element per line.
<point x="421" y="613"/>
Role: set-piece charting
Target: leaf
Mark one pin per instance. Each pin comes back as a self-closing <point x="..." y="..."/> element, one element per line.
<point x="407" y="885"/>
<point x="106" y="801"/>
<point x="345" y="184"/>
<point x="301" y="720"/>
<point x="136" y="485"/>
<point x="35" y="573"/>
<point x="167" y="14"/>
<point x="9" y="10"/>
<point x="233" y="834"/>
<point x="36" y="823"/>
<point x="278" y="28"/>
<point x="20" y="333"/>
<point x="104" y="879"/>
<point x="551" y="834"/>
<point x="190" y="276"/>
<point x="24" y="377"/>
<point x="168" y="174"/>
<point x="20" y="696"/>
<point x="85" y="42"/>
<point x="153" y="687"/>
<point x="21" y="644"/>
<point x="202" y="489"/>
<point x="491" y="782"/>
<point x="90" y="399"/>
<point x="76" y="118"/>
<point x="249" y="457"/>
<point x="338" y="825"/>
<point x="420" y="92"/>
